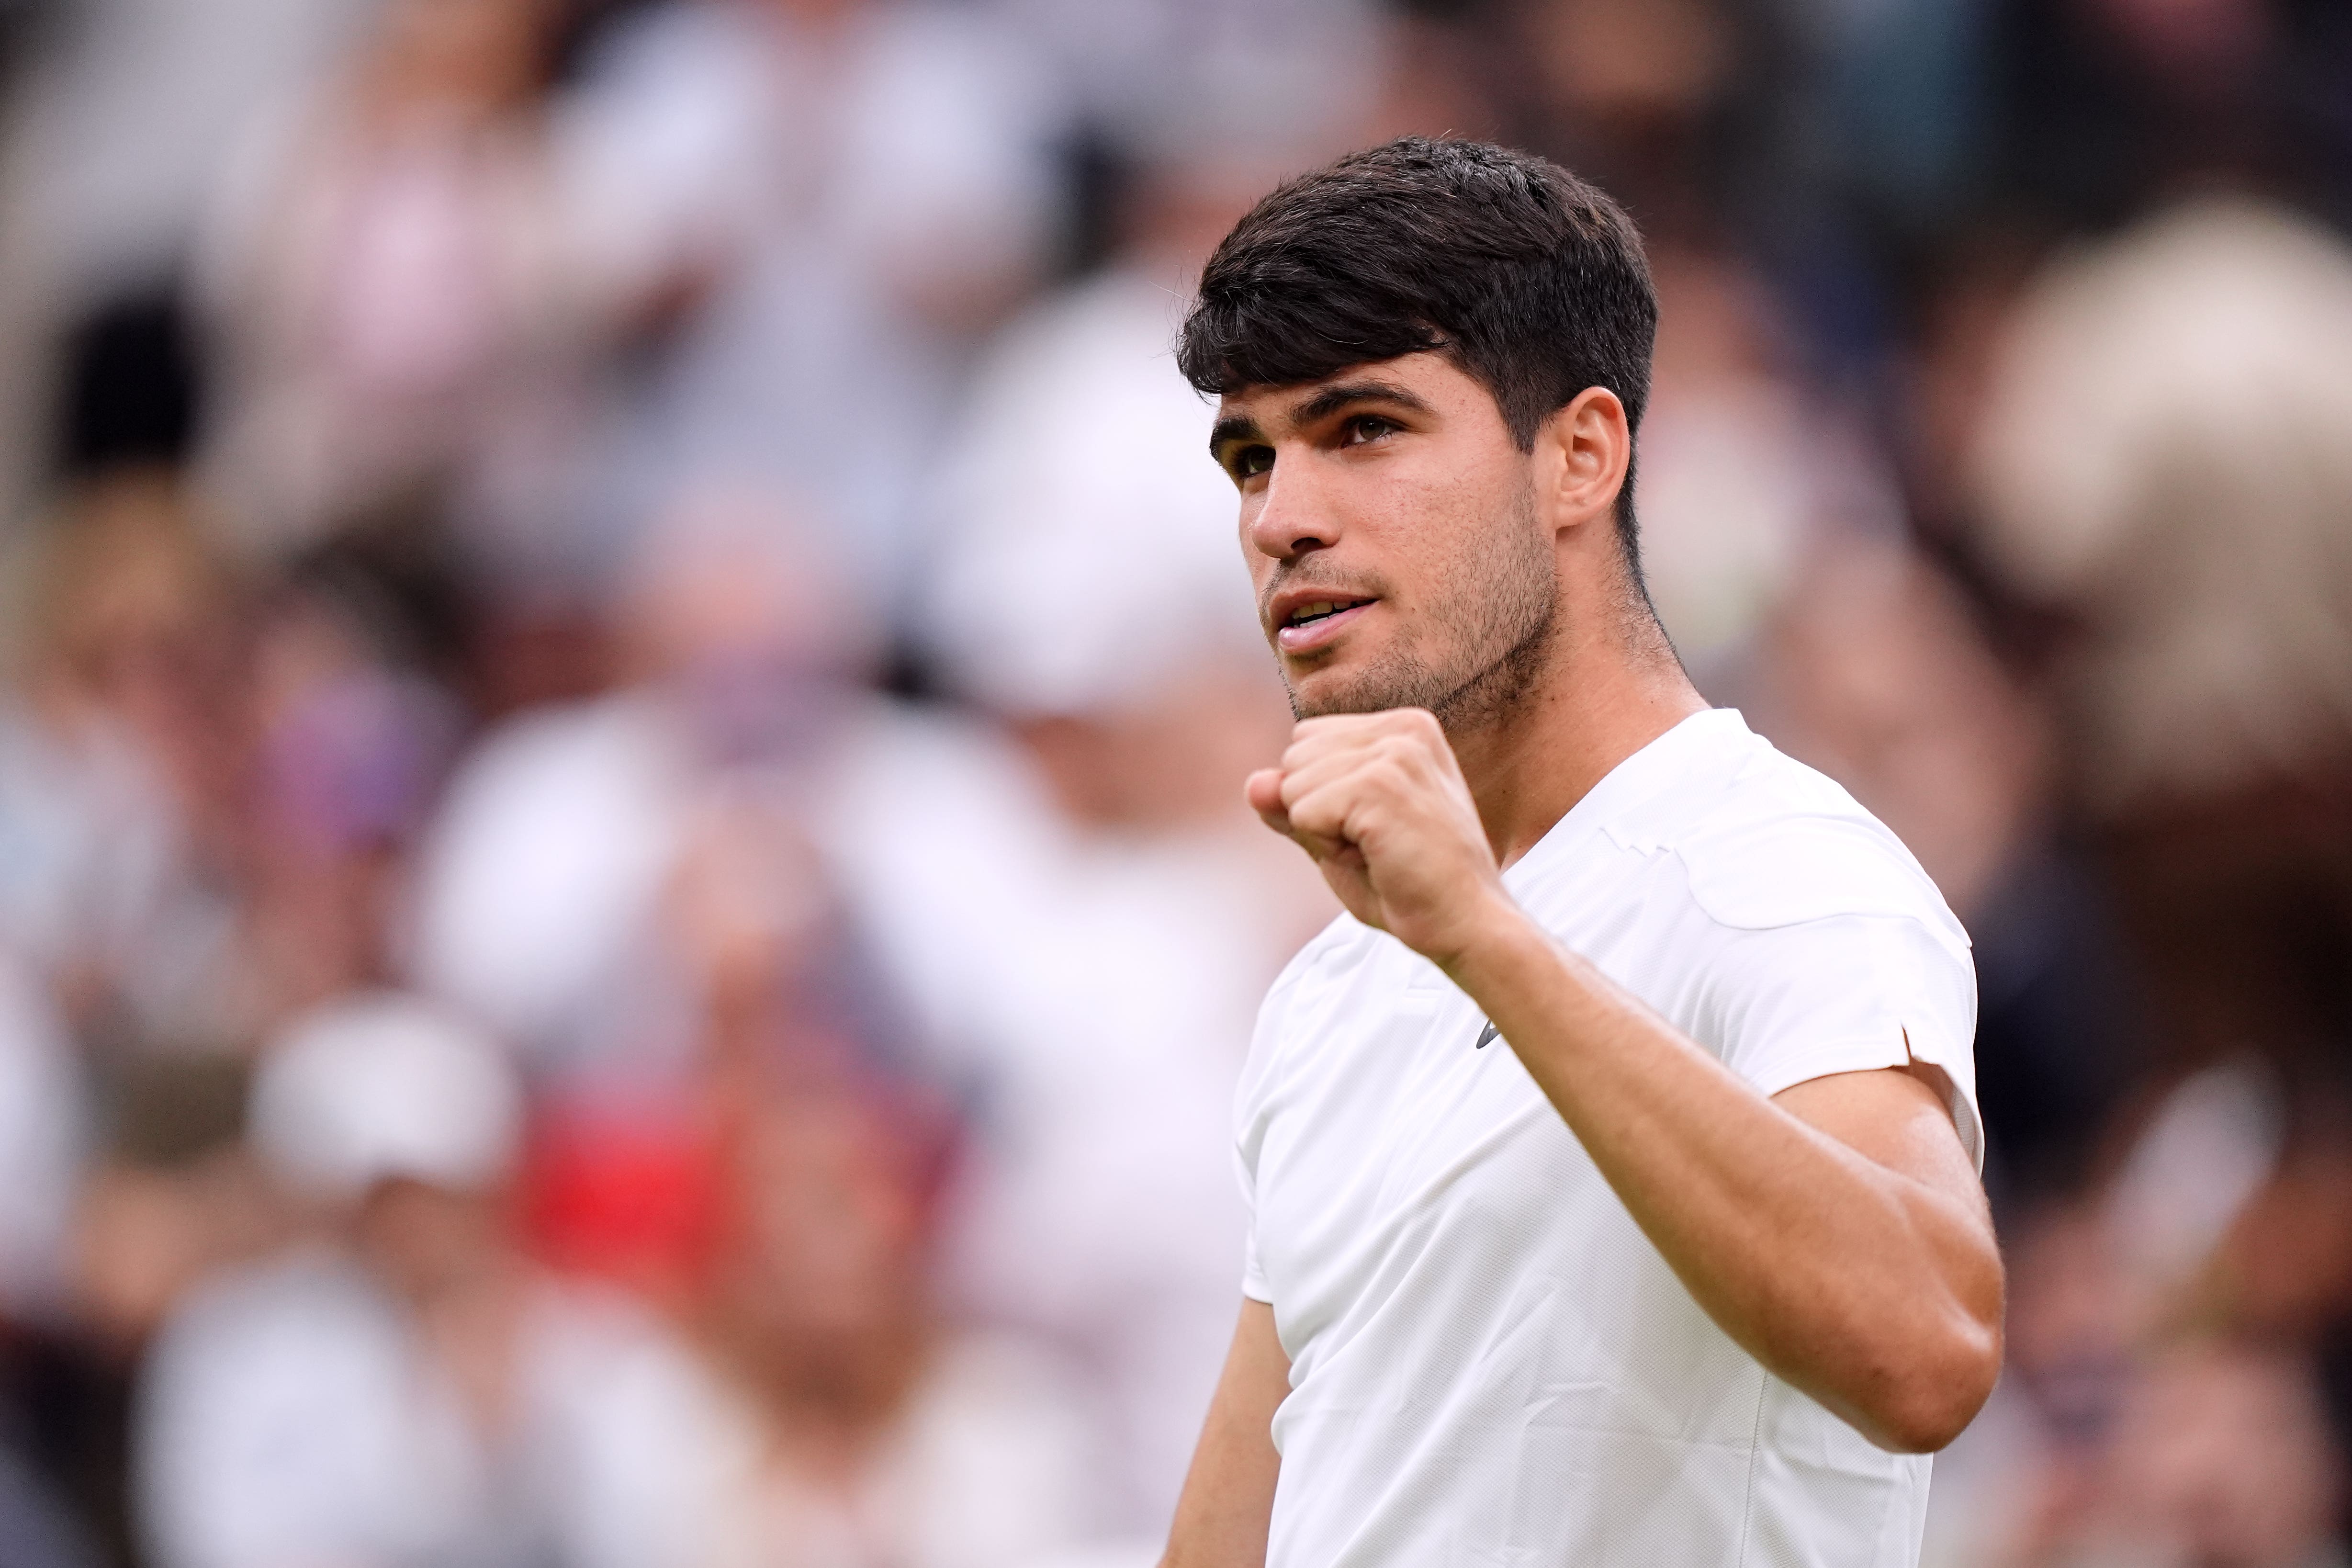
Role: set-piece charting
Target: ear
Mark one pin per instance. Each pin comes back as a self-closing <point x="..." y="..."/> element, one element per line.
<point x="1581" y="454"/>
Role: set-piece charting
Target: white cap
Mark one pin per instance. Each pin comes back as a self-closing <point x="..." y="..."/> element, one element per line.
<point x="379" y="1086"/>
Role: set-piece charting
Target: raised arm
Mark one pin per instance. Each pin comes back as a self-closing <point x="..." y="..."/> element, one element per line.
<point x="1221" y="1519"/>
<point x="1837" y="1232"/>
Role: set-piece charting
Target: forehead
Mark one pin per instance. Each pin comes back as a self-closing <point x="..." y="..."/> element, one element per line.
<point x="1427" y="377"/>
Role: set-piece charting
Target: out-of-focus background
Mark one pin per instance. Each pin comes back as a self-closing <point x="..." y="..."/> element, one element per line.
<point x="625" y="925"/>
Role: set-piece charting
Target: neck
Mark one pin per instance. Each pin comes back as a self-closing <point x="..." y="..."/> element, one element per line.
<point x="1608" y="689"/>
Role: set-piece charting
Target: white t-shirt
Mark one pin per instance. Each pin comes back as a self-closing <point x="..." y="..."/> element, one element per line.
<point x="1490" y="1363"/>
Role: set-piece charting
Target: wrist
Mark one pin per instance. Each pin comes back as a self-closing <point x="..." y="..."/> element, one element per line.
<point x="1493" y="932"/>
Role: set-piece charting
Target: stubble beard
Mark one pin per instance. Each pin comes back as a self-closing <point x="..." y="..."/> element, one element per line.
<point x="1502" y="608"/>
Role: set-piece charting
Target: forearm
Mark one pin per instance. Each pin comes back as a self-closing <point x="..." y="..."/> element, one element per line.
<point x="1868" y="1288"/>
<point x="1228" y="1497"/>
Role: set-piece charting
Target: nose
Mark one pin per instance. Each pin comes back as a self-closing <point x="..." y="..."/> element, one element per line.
<point x="1292" y="517"/>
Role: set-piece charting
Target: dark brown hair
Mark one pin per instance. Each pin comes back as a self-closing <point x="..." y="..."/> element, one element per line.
<point x="1527" y="277"/>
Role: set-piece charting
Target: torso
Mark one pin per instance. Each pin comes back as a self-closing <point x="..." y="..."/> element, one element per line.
<point x="1490" y="1362"/>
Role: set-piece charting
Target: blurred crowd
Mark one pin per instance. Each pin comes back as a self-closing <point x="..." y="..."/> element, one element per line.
<point x="625" y="919"/>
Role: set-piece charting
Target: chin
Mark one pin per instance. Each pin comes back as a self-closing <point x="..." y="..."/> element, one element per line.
<point x="1326" y="691"/>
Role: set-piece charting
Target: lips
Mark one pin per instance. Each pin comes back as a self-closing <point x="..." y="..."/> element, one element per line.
<point x="1311" y="624"/>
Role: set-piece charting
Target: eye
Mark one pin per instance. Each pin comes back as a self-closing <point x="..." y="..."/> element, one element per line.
<point x="1367" y="428"/>
<point x="1251" y="461"/>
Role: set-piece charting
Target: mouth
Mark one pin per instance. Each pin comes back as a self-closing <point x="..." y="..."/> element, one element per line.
<point x="1316" y="622"/>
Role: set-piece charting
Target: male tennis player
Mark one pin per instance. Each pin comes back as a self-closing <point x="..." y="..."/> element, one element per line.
<point x="1612" y="1159"/>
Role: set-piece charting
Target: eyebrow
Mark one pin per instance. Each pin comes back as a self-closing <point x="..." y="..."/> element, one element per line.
<point x="1231" y="427"/>
<point x="1325" y="402"/>
<point x="1339" y="394"/>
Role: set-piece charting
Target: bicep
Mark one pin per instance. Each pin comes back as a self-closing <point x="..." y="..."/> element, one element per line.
<point x="1899" y="1119"/>
<point x="1228" y="1498"/>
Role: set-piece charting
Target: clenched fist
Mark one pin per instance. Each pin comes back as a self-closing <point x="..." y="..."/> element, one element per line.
<point x="1380" y="803"/>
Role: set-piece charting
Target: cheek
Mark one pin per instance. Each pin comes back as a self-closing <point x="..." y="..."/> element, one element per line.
<point x="1459" y="488"/>
<point x="1441" y="540"/>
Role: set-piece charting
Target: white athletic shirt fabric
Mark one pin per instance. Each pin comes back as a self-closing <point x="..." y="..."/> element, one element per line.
<point x="1490" y="1363"/>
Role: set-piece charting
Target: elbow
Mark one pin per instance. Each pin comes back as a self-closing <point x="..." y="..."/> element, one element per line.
<point x="1938" y="1393"/>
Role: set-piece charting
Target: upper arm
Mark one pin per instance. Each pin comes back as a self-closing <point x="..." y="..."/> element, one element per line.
<point x="1900" y="1120"/>
<point x="1228" y="1501"/>
<point x="1944" y="1309"/>
<point x="1897" y="1118"/>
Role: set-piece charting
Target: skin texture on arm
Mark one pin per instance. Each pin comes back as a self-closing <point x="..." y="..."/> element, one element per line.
<point x="1838" y="1232"/>
<point x="1228" y="1498"/>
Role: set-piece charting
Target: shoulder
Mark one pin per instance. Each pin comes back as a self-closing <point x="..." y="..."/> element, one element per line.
<point x="1334" y="952"/>
<point x="283" y="1328"/>
<point x="1308" y="985"/>
<point x="1781" y="844"/>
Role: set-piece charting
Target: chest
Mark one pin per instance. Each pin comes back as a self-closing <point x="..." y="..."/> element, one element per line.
<point x="1396" y="1160"/>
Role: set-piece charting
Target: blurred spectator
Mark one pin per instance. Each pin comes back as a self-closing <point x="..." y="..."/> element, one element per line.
<point x="406" y="1388"/>
<point x="595" y="864"/>
<point x="397" y="304"/>
<point x="1875" y="675"/>
<point x="1907" y="106"/>
<point x="2221" y="1454"/>
<point x="117" y="124"/>
<point x="120" y="771"/>
<point x="1153" y="73"/>
<point x="136" y="106"/>
<point x="349" y="750"/>
<point x="820" y="202"/>
<point x="2114" y="107"/>
<point x="1665" y="103"/>
<point x="2158" y="1407"/>
<point x="2193" y="371"/>
<point x="1874" y="670"/>
<point x="203" y="817"/>
<point x="2161" y="457"/>
<point x="1744" y="471"/>
<point x="862" y="1433"/>
<point x="639" y="890"/>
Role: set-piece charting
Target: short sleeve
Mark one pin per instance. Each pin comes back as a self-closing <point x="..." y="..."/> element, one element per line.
<point x="1845" y="994"/>
<point x="1252" y="1275"/>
